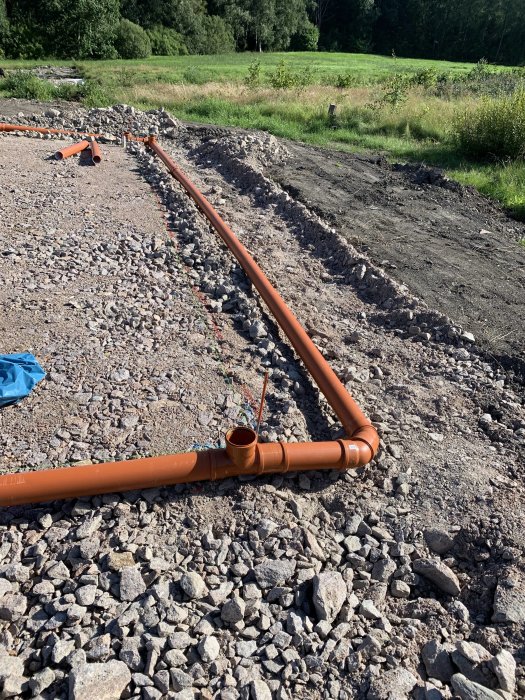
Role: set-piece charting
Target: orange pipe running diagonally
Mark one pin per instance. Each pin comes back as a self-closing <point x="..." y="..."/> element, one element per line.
<point x="243" y="453"/>
<point x="72" y="150"/>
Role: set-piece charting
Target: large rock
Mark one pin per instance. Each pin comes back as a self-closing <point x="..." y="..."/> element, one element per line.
<point x="260" y="691"/>
<point x="395" y="684"/>
<point x="439" y="574"/>
<point x="329" y="594"/>
<point x="439" y="541"/>
<point x="12" y="606"/>
<point x="504" y="666"/>
<point x="437" y="661"/>
<point x="131" y="583"/>
<point x="274" y="572"/>
<point x="509" y="599"/>
<point x="101" y="681"/>
<point x="193" y="585"/>
<point x="468" y="690"/>
<point x="10" y="666"/>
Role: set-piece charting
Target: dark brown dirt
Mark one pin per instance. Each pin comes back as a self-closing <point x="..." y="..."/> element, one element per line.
<point x="451" y="246"/>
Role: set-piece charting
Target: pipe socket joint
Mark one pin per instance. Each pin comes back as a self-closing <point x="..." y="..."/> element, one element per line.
<point x="241" y="446"/>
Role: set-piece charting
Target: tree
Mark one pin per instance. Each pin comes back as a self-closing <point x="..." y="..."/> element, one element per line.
<point x="131" y="40"/>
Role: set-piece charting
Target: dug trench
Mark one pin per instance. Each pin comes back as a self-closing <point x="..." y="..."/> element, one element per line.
<point x="407" y="573"/>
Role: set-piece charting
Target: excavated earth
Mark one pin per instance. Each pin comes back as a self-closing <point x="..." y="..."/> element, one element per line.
<point x="403" y="579"/>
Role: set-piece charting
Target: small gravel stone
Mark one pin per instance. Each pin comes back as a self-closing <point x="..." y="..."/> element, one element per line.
<point x="193" y="585"/>
<point x="368" y="610"/>
<point x="131" y="583"/>
<point x="209" y="649"/>
<point x="438" y="541"/>
<point x="400" y="589"/>
<point x="233" y="610"/>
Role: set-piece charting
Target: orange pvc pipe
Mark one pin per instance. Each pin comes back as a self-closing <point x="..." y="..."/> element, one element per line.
<point x="42" y="130"/>
<point x="71" y="150"/>
<point x="151" y="472"/>
<point x="243" y="454"/>
<point x="96" y="155"/>
<point x="348" y="412"/>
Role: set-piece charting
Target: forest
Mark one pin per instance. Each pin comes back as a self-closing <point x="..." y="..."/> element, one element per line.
<point x="466" y="30"/>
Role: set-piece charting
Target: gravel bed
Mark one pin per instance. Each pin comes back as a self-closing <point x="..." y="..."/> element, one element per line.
<point x="402" y="579"/>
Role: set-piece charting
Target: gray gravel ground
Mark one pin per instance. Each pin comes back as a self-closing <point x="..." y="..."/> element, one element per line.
<point x="404" y="579"/>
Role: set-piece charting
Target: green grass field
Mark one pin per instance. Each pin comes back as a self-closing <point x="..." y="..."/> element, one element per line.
<point x="407" y="118"/>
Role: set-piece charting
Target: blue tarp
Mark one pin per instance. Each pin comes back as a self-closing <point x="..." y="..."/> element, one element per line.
<point x="18" y="375"/>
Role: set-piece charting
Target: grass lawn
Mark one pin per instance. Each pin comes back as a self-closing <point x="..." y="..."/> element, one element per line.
<point x="291" y="100"/>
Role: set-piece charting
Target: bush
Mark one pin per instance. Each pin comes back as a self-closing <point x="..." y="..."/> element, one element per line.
<point x="25" y="86"/>
<point x="306" y="38"/>
<point x="346" y="80"/>
<point x="494" y="129"/>
<point x="166" y="42"/>
<point x="132" y="41"/>
<point x="211" y="36"/>
<point x="253" y="78"/>
<point x="284" y="77"/>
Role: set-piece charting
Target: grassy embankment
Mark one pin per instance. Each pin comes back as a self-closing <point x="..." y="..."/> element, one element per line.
<point x="406" y="108"/>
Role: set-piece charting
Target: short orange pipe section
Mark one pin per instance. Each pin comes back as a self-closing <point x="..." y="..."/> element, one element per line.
<point x="151" y="472"/>
<point x="96" y="155"/>
<point x="71" y="150"/>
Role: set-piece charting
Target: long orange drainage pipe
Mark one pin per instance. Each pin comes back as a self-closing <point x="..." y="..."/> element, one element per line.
<point x="72" y="150"/>
<point x="243" y="453"/>
<point x="42" y="130"/>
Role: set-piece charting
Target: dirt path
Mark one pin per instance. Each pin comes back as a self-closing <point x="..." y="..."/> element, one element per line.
<point x="454" y="249"/>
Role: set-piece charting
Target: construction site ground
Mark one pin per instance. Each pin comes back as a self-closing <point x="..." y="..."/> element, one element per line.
<point x="154" y="342"/>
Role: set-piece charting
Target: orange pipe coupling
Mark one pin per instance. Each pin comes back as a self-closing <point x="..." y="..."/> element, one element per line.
<point x="243" y="453"/>
<point x="71" y="150"/>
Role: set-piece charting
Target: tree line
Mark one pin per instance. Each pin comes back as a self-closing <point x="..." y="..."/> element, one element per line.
<point x="441" y="29"/>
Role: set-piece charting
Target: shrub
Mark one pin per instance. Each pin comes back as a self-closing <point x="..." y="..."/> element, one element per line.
<point x="253" y="78"/>
<point x="132" y="41"/>
<point x="211" y="36"/>
<point x="26" y="86"/>
<point x="306" y="38"/>
<point x="395" y="91"/>
<point x="284" y="77"/>
<point x="166" y="42"/>
<point x="494" y="129"/>
<point x="345" y="80"/>
<point x="426" y="78"/>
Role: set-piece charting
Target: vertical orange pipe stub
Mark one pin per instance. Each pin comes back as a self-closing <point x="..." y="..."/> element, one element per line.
<point x="241" y="443"/>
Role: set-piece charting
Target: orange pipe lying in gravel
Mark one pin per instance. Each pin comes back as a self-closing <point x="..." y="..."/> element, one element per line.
<point x="337" y="396"/>
<point x="42" y="130"/>
<point x="96" y="155"/>
<point x="151" y="472"/>
<point x="243" y="453"/>
<point x="72" y="150"/>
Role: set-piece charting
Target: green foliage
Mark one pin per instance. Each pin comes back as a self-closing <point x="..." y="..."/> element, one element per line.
<point x="253" y="78"/>
<point x="426" y="78"/>
<point x="193" y="75"/>
<point x="306" y="38"/>
<point x="211" y="36"/>
<point x="494" y="129"/>
<point x="25" y="86"/>
<point x="166" y="42"/>
<point x="395" y="91"/>
<point x="131" y="40"/>
<point x="285" y="77"/>
<point x="346" y="80"/>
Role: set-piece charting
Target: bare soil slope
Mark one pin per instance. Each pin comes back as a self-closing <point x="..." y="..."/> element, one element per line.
<point x="455" y="250"/>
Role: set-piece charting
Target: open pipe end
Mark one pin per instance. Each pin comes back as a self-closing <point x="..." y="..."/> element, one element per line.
<point x="96" y="159"/>
<point x="59" y="155"/>
<point x="241" y="443"/>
